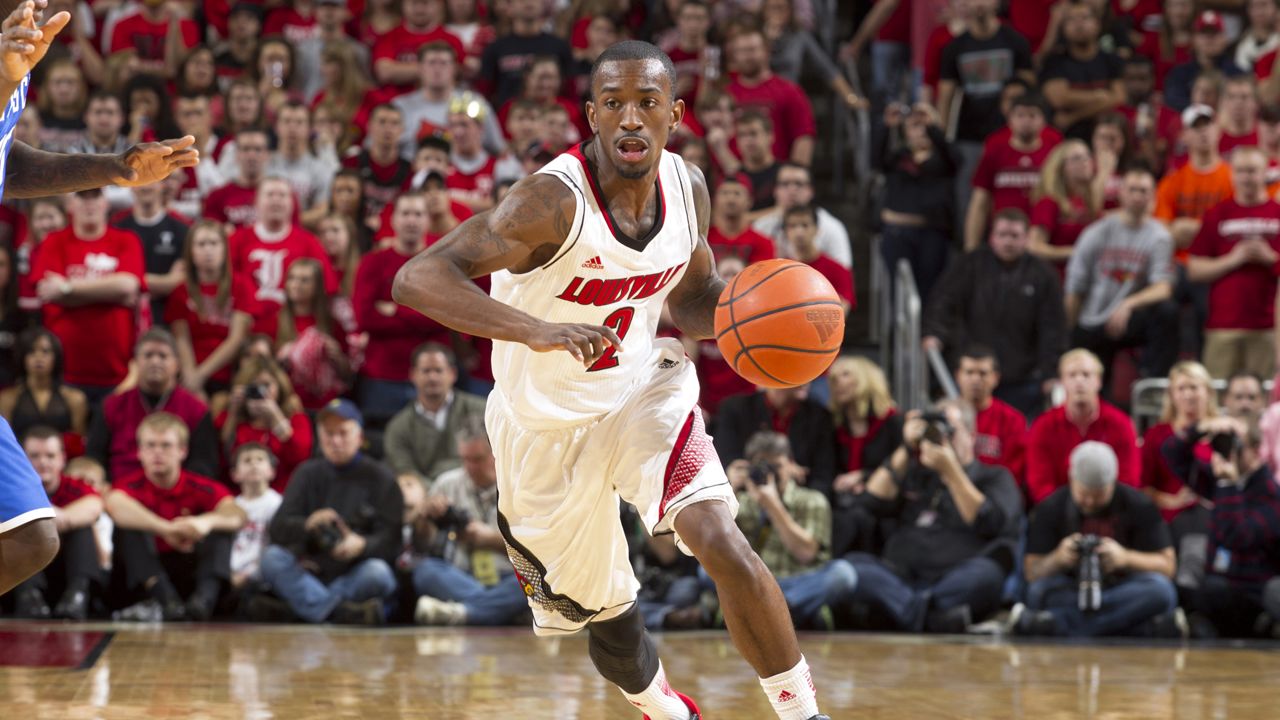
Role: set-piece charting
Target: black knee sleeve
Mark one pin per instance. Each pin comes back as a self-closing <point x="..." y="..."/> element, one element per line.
<point x="623" y="652"/>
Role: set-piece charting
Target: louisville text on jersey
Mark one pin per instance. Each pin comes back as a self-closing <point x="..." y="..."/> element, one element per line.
<point x="602" y="292"/>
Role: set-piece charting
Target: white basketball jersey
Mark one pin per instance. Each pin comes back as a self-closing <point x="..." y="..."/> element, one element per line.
<point x="595" y="279"/>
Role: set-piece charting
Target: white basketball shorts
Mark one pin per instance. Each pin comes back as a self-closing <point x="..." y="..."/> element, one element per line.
<point x="559" y="490"/>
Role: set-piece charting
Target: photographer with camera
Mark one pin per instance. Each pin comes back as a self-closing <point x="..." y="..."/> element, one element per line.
<point x="263" y="408"/>
<point x="1100" y="558"/>
<point x="789" y="527"/>
<point x="1240" y="594"/>
<point x="336" y="532"/>
<point x="954" y="525"/>
<point x="468" y="579"/>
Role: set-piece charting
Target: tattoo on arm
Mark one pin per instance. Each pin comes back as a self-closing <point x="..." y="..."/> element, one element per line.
<point x="33" y="173"/>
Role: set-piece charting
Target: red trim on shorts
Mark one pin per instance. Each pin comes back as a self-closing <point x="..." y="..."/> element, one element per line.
<point x="688" y="456"/>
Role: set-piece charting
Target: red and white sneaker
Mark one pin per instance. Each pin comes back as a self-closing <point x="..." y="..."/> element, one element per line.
<point x="694" y="712"/>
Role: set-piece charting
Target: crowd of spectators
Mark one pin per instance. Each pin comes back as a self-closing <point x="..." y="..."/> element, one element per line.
<point x="235" y="419"/>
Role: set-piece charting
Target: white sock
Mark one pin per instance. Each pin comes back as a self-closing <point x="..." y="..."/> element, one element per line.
<point x="659" y="701"/>
<point x="791" y="693"/>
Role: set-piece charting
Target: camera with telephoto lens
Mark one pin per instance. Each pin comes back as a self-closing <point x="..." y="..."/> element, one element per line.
<point x="1089" y="573"/>
<point x="759" y="473"/>
<point x="453" y="518"/>
<point x="1225" y="444"/>
<point x="938" y="428"/>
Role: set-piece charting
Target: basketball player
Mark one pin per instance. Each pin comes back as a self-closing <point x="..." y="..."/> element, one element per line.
<point x="589" y="405"/>
<point x="28" y="532"/>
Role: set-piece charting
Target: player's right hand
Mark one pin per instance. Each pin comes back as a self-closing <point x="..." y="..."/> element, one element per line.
<point x="23" y="44"/>
<point x="586" y="343"/>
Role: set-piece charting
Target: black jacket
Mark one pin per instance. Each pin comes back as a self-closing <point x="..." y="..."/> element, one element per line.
<point x="811" y="433"/>
<point x="364" y="494"/>
<point x="1014" y="309"/>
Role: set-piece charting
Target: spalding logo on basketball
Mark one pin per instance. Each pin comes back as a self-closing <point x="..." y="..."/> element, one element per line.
<point x="779" y="323"/>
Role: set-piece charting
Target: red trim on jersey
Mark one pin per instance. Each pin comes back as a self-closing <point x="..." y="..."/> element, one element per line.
<point x="576" y="151"/>
<point x="690" y="453"/>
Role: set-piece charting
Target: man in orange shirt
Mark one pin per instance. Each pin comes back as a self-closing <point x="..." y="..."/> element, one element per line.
<point x="1182" y="199"/>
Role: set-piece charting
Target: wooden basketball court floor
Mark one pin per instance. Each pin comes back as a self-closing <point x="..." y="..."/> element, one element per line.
<point x="199" y="672"/>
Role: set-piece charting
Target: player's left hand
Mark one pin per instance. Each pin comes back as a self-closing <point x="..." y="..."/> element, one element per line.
<point x="23" y="43"/>
<point x="146" y="163"/>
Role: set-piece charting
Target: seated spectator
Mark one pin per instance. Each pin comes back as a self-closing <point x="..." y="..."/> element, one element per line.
<point x="394" y="331"/>
<point x="311" y="340"/>
<point x="806" y="424"/>
<point x="253" y="469"/>
<point x="38" y="397"/>
<point x="88" y="471"/>
<point x="1243" y="396"/>
<point x="395" y="55"/>
<point x="1208" y="54"/>
<point x="789" y="527"/>
<point x="472" y="582"/>
<point x="309" y="173"/>
<point x="336" y="532"/>
<point x="211" y="312"/>
<point x="920" y="173"/>
<point x="426" y="112"/>
<point x="264" y="409"/>
<point x="731" y="234"/>
<point x="89" y="277"/>
<point x="163" y="235"/>
<point x="795" y="188"/>
<point x="801" y="227"/>
<point x="1240" y="596"/>
<point x="235" y="203"/>
<point x="1001" y="437"/>
<point x="1119" y="285"/>
<point x="384" y="173"/>
<point x="968" y="308"/>
<point x="1236" y="251"/>
<point x="1188" y="401"/>
<point x="76" y="508"/>
<point x="1008" y="170"/>
<point x="1083" y="416"/>
<point x="1115" y="526"/>
<point x="956" y="524"/>
<point x="263" y="252"/>
<point x="113" y="436"/>
<point x="174" y="528"/>
<point x="1083" y="81"/>
<point x="1067" y="199"/>
<point x="1238" y="113"/>
<point x="753" y="85"/>
<point x="419" y="439"/>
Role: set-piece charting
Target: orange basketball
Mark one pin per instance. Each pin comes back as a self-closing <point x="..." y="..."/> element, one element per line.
<point x="779" y="323"/>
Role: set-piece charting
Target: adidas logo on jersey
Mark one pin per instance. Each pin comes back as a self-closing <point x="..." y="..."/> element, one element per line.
<point x="593" y="264"/>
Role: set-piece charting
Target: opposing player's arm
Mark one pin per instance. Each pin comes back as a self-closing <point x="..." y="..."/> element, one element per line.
<point x="33" y="173"/>
<point x="521" y="234"/>
<point x="693" y="302"/>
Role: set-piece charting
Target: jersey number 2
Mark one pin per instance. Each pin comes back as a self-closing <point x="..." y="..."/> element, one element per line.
<point x="620" y="322"/>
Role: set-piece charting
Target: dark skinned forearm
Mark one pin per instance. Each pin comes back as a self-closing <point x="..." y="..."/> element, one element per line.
<point x="696" y="314"/>
<point x="35" y="173"/>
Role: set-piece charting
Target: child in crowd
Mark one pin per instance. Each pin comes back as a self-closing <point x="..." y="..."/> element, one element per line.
<point x="91" y="472"/>
<point x="253" y="468"/>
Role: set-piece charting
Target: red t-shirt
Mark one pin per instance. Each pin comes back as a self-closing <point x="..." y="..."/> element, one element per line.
<point x="266" y="264"/>
<point x="1010" y="174"/>
<point x="135" y="32"/>
<point x="1227" y="143"/>
<point x="207" y="323"/>
<point x="748" y="246"/>
<point x="392" y="338"/>
<point x="1243" y="299"/>
<point x="472" y="186"/>
<point x="1063" y="228"/>
<point x="70" y="490"/>
<point x="839" y="276"/>
<point x="1053" y="436"/>
<point x="192" y="495"/>
<point x="288" y="455"/>
<point x="97" y="339"/>
<point x="233" y="203"/>
<point x="716" y="379"/>
<point x="382" y="183"/>
<point x="1031" y="19"/>
<point x="288" y="22"/>
<point x="1168" y="124"/>
<point x="402" y="45"/>
<point x="1002" y="438"/>
<point x="785" y="103"/>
